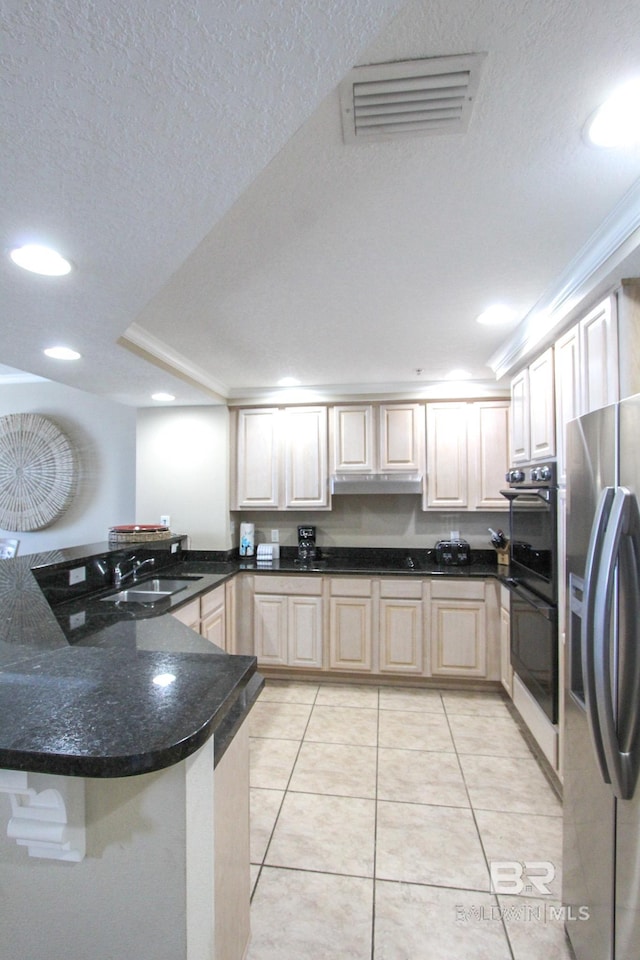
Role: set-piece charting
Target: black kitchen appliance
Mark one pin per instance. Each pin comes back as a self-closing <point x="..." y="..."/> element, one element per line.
<point x="532" y="496"/>
<point x="454" y="553"/>
<point x="307" y="543"/>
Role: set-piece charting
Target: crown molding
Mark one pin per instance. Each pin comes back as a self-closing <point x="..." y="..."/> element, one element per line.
<point x="617" y="237"/>
<point x="156" y="351"/>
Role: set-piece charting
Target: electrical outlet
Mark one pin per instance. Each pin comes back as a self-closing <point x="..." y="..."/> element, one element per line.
<point x="275" y="536"/>
<point x="165" y="520"/>
<point x="455" y="535"/>
<point x="77" y="575"/>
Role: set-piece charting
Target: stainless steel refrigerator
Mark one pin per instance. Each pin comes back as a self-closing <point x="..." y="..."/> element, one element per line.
<point x="601" y="852"/>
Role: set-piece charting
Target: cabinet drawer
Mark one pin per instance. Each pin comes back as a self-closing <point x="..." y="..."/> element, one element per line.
<point x="457" y="589"/>
<point x="401" y="589"/>
<point x="350" y="587"/>
<point x="212" y="600"/>
<point x="289" y="586"/>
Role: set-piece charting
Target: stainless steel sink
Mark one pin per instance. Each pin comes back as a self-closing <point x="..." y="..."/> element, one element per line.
<point x="150" y="591"/>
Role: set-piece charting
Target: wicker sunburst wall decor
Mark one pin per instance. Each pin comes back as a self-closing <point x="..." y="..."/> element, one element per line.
<point x="37" y="472"/>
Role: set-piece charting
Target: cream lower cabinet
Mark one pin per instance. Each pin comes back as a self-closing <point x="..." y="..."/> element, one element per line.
<point x="350" y="624"/>
<point x="506" y="670"/>
<point x="208" y="615"/>
<point x="287" y="621"/>
<point x="464" y="629"/>
<point x="401" y="623"/>
<point x="423" y="627"/>
<point x="213" y="617"/>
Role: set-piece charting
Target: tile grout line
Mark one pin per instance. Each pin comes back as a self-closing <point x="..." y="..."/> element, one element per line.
<point x="475" y="823"/>
<point x="284" y="794"/>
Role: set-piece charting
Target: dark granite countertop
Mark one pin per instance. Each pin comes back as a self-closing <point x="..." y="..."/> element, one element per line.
<point x="79" y="691"/>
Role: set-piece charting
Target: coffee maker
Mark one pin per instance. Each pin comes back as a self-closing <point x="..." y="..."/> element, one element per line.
<point x="306" y="543"/>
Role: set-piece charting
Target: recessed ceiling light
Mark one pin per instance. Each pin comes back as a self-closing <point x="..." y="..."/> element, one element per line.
<point x="163" y="397"/>
<point x="62" y="353"/>
<point x="288" y="382"/>
<point x="617" y="122"/>
<point x="41" y="260"/>
<point x="496" y="315"/>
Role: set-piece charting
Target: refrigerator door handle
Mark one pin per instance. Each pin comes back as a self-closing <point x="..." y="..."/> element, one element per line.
<point x="622" y="535"/>
<point x="592" y="567"/>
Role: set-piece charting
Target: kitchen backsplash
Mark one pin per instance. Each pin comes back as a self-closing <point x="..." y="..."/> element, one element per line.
<point x="385" y="521"/>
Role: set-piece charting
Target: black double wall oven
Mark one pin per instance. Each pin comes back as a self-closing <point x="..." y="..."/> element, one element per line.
<point x="533" y="497"/>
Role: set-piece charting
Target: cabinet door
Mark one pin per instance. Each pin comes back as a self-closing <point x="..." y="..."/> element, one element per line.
<point x="506" y="671"/>
<point x="458" y="638"/>
<point x="599" y="357"/>
<point x="350" y="633"/>
<point x="257" y="459"/>
<point x="213" y="624"/>
<point x="304" y="631"/>
<point x="306" y="470"/>
<point x="401" y="636"/>
<point x="520" y="435"/>
<point x="447" y="456"/>
<point x="270" y="629"/>
<point x="189" y="615"/>
<point x="352" y="443"/>
<point x="488" y="455"/>
<point x="542" y="407"/>
<point x="568" y="399"/>
<point x="401" y="429"/>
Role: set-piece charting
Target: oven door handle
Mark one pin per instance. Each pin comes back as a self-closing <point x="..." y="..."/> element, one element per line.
<point x="548" y="610"/>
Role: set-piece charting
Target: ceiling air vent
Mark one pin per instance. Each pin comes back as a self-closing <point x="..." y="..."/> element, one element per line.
<point x="409" y="98"/>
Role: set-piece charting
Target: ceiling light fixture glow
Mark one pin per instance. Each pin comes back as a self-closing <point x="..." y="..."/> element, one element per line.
<point x="163" y="397"/>
<point x="617" y="122"/>
<point x="458" y="374"/>
<point x="496" y="315"/>
<point x="288" y="382"/>
<point x="40" y="260"/>
<point x="62" y="353"/>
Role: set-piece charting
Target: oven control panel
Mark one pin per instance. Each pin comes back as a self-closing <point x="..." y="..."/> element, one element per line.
<point x="535" y="475"/>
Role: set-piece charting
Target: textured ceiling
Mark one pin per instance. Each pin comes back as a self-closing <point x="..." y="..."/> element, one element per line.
<point x="188" y="158"/>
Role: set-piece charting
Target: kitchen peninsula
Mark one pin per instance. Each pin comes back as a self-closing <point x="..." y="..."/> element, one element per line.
<point x="143" y="720"/>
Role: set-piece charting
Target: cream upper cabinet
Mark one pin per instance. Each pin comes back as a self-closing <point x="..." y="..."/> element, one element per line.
<point x="467" y="455"/>
<point x="599" y="357"/>
<point x="352" y="439"/>
<point x="447" y="456"/>
<point x="542" y="407"/>
<point x="401" y="429"/>
<point x="568" y="391"/>
<point x="258" y="459"/>
<point x="533" y="426"/>
<point x="586" y="365"/>
<point x="304" y="432"/>
<point x="489" y="454"/>
<point x="282" y="459"/>
<point x="371" y="438"/>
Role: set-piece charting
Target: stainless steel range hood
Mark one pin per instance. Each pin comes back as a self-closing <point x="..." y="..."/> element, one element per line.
<point x="362" y="483"/>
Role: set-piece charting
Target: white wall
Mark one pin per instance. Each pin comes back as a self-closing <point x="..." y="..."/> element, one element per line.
<point x="103" y="435"/>
<point x="183" y="471"/>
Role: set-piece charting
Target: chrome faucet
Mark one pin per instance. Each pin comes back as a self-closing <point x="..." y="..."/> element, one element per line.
<point x="119" y="577"/>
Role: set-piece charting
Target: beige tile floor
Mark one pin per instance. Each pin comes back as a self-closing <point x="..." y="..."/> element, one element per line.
<point x="375" y="813"/>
